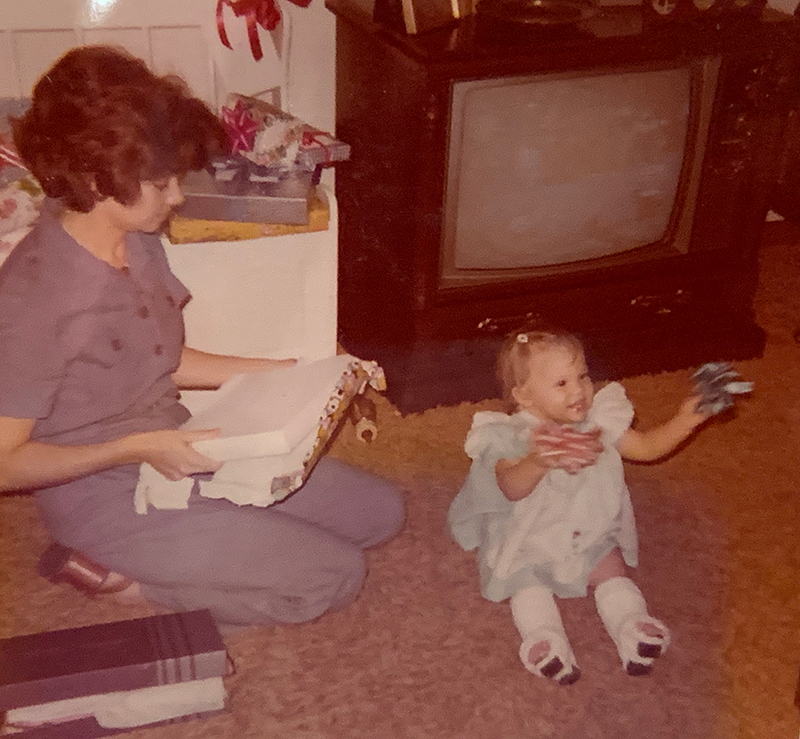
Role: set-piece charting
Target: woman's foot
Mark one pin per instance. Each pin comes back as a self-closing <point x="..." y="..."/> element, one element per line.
<point x="123" y="589"/>
<point x="61" y="564"/>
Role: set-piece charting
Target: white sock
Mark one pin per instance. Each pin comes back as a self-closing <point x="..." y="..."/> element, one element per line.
<point x="537" y="619"/>
<point x="622" y="608"/>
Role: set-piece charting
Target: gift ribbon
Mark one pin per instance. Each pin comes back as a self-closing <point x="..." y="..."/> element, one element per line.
<point x="9" y="156"/>
<point x="240" y="126"/>
<point x="312" y="136"/>
<point x="264" y="13"/>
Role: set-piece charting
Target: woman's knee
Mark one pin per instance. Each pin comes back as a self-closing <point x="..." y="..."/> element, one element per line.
<point x="300" y="595"/>
<point x="328" y="584"/>
<point x="389" y="510"/>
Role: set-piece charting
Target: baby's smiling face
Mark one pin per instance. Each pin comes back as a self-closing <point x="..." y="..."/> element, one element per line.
<point x="558" y="387"/>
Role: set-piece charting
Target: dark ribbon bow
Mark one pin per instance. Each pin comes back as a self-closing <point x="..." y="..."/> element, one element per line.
<point x="264" y="13"/>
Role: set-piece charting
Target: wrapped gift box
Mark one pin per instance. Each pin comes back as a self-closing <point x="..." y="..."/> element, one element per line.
<point x="108" y="678"/>
<point x="270" y="137"/>
<point x="274" y="427"/>
<point x="20" y="194"/>
<point x="285" y="201"/>
<point x="181" y="230"/>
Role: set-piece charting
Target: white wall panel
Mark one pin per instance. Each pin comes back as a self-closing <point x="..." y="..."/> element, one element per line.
<point x="177" y="36"/>
<point x="34" y="51"/>
<point x="135" y="40"/>
<point x="183" y="51"/>
<point x="9" y="86"/>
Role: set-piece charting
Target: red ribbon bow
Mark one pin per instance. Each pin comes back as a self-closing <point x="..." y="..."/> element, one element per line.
<point x="264" y="13"/>
<point x="9" y="156"/>
<point x="313" y="136"/>
<point x="240" y="126"/>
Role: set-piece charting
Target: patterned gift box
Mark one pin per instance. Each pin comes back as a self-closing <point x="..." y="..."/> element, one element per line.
<point x="274" y="428"/>
<point x="273" y="139"/>
<point x="20" y="194"/>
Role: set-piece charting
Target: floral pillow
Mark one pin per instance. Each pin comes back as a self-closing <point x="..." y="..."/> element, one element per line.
<point x="20" y="194"/>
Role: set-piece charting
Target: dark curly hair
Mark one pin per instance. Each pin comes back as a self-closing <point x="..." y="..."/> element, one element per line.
<point x="101" y="123"/>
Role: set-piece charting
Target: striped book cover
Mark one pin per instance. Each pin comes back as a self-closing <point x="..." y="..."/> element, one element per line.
<point x="110" y="657"/>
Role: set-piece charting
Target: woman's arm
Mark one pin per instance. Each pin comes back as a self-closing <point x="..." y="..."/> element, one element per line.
<point x="26" y="464"/>
<point x="648" y="446"/>
<point x="202" y="370"/>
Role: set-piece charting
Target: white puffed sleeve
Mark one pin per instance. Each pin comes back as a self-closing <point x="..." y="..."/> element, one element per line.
<point x="612" y="412"/>
<point x="495" y="436"/>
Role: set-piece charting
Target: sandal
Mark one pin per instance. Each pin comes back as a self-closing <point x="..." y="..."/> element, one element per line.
<point x="61" y="564"/>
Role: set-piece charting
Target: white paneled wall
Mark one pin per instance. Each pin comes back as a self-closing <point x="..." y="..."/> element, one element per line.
<point x="179" y="36"/>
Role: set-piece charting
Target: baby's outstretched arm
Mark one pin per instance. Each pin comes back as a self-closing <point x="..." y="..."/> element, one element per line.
<point x="647" y="446"/>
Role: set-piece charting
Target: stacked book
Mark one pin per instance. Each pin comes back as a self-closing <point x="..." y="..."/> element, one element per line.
<point x="110" y="678"/>
<point x="266" y="185"/>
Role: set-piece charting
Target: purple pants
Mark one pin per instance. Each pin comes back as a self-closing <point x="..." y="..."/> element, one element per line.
<point x="287" y="563"/>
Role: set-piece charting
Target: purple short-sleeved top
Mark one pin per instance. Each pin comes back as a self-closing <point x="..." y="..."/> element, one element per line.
<point x="88" y="350"/>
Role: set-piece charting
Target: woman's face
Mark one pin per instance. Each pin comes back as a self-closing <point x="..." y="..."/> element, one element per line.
<point x="157" y="200"/>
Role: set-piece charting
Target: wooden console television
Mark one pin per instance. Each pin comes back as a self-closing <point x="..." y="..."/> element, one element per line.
<point x="483" y="165"/>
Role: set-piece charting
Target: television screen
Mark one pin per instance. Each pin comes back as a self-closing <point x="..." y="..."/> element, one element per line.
<point x="554" y="169"/>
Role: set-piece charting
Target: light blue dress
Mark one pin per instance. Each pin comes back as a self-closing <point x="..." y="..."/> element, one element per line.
<point x="558" y="534"/>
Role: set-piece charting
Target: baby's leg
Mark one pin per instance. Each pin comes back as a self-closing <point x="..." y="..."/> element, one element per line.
<point x="545" y="650"/>
<point x="639" y="637"/>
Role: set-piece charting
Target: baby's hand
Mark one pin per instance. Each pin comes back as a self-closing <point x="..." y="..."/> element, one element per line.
<point x="717" y="384"/>
<point x="561" y="447"/>
<point x="694" y="410"/>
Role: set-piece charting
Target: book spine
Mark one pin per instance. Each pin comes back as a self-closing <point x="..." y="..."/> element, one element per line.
<point x="88" y="728"/>
<point x="123" y="655"/>
<point x="113" y="679"/>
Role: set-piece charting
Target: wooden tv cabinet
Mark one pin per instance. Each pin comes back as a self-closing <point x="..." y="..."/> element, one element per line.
<point x="436" y="342"/>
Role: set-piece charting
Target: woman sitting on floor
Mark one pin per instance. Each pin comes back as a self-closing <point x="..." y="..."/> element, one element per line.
<point x="93" y="359"/>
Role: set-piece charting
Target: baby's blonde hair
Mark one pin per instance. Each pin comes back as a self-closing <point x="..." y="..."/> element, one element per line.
<point x="513" y="360"/>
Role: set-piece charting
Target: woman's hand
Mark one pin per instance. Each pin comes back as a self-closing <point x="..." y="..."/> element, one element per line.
<point x="26" y="464"/>
<point x="171" y="453"/>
